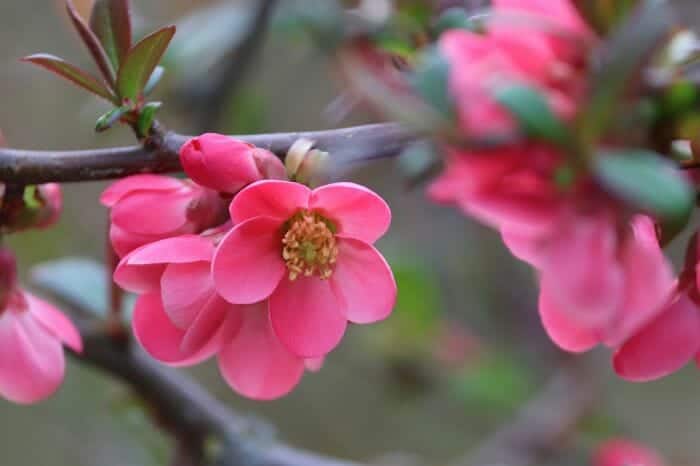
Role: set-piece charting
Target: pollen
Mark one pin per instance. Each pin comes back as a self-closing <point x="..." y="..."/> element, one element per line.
<point x="309" y="246"/>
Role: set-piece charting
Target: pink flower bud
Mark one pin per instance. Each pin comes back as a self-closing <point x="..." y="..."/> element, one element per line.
<point x="52" y="198"/>
<point x="226" y="164"/>
<point x="32" y="335"/>
<point x="270" y="166"/>
<point x="148" y="208"/>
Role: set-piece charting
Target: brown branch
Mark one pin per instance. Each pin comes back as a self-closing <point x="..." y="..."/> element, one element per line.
<point x="541" y="427"/>
<point x="180" y="405"/>
<point x="346" y="145"/>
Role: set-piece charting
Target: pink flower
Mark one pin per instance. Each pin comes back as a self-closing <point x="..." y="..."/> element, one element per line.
<point x="32" y="335"/>
<point x="510" y="188"/>
<point x="226" y="164"/>
<point x="310" y="253"/>
<point x="623" y="452"/>
<point x="672" y="338"/>
<point x="147" y="208"/>
<point x="538" y="44"/>
<point x="180" y="319"/>
<point x="597" y="285"/>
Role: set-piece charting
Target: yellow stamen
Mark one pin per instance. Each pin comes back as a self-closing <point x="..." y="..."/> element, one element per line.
<point x="309" y="246"/>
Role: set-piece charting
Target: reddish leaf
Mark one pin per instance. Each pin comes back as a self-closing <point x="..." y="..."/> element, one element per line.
<point x="72" y="73"/>
<point x="139" y="64"/>
<point x="111" y="22"/>
<point x="93" y="44"/>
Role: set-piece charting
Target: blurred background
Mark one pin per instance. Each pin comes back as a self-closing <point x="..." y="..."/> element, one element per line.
<point x="461" y="352"/>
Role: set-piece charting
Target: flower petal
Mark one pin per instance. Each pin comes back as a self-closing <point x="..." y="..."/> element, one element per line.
<point x="160" y="338"/>
<point x="248" y="264"/>
<point x="124" y="241"/>
<point x="363" y="282"/>
<point x="663" y="346"/>
<point x="32" y="363"/>
<point x="581" y="271"/>
<point x="306" y="316"/>
<point x="269" y="198"/>
<point x="565" y="332"/>
<point x="208" y="323"/>
<point x="180" y="249"/>
<point x="133" y="183"/>
<point x="185" y="289"/>
<point x="135" y="212"/>
<point x="648" y="282"/>
<point x="140" y="271"/>
<point x="55" y="322"/>
<point x="527" y="248"/>
<point x="357" y="211"/>
<point x="255" y="364"/>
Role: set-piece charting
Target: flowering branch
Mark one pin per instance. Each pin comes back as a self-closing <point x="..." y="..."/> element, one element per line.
<point x="160" y="155"/>
<point x="187" y="411"/>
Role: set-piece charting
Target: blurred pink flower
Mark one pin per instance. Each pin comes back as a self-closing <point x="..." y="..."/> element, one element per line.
<point x="509" y="189"/>
<point x="225" y="164"/>
<point x="600" y="283"/>
<point x="310" y="253"/>
<point x="147" y="208"/>
<point x="180" y="319"/>
<point x="32" y="335"/>
<point x="624" y="452"/>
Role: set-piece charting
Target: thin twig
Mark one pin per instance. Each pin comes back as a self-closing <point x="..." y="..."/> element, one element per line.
<point x="346" y="146"/>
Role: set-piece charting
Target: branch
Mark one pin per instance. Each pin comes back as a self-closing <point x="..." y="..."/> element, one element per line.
<point x="181" y="405"/>
<point x="541" y="427"/>
<point x="346" y="145"/>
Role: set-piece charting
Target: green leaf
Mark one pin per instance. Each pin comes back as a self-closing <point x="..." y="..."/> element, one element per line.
<point x="618" y="64"/>
<point x="141" y="62"/>
<point x="111" y="22"/>
<point x="533" y="113"/>
<point x="108" y="120"/>
<point x="649" y="182"/>
<point x="77" y="280"/>
<point x="454" y="18"/>
<point x="72" y="73"/>
<point x="430" y="81"/>
<point x="92" y="43"/>
<point x="147" y="116"/>
<point x="153" y="81"/>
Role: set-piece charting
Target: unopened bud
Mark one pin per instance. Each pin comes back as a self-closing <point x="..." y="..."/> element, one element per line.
<point x="219" y="162"/>
<point x="269" y="165"/>
<point x="30" y="207"/>
<point x="296" y="154"/>
<point x="305" y="164"/>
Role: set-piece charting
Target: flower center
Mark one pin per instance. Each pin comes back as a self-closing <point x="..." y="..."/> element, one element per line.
<point x="309" y="246"/>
